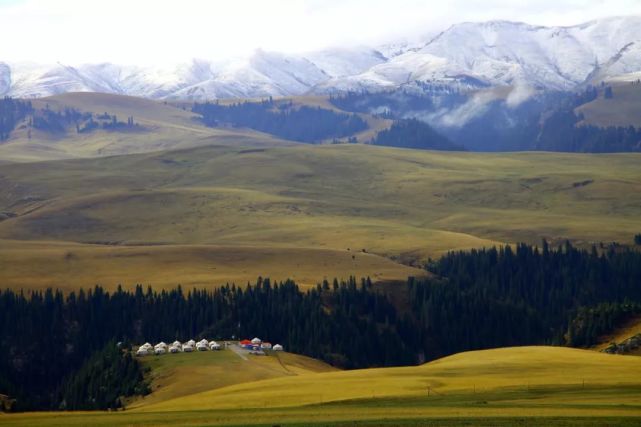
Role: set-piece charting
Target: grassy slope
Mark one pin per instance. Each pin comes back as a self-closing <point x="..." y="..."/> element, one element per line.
<point x="479" y="371"/>
<point x="165" y="127"/>
<point x="388" y="201"/>
<point x="403" y="204"/>
<point x="624" y="109"/>
<point x="69" y="266"/>
<point x="525" y="386"/>
<point x="629" y="329"/>
<point x="184" y="374"/>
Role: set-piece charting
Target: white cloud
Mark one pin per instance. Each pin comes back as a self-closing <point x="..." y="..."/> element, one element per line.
<point x="162" y="31"/>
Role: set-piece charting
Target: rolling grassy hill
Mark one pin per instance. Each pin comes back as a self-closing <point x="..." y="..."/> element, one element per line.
<point x="624" y="109"/>
<point x="525" y="385"/>
<point x="163" y="127"/>
<point x="70" y="266"/>
<point x="405" y="205"/>
<point x="185" y="374"/>
<point x="228" y="205"/>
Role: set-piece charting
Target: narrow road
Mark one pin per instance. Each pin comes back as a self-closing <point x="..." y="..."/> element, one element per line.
<point x="239" y="351"/>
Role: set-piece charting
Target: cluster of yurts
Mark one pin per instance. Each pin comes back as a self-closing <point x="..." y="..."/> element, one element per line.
<point x="177" y="347"/>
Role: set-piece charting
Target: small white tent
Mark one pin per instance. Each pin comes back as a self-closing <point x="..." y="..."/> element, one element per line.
<point x="174" y="349"/>
<point x="201" y="346"/>
<point x="277" y="347"/>
<point x="188" y="348"/>
<point x="176" y="344"/>
<point x="214" y="345"/>
<point x="191" y="343"/>
<point x="256" y="341"/>
<point x="159" y="350"/>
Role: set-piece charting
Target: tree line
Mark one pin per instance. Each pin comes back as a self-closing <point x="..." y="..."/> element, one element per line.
<point x="12" y="111"/>
<point x="544" y="122"/>
<point x="301" y="123"/>
<point x="108" y="376"/>
<point x="46" y="336"/>
<point x="413" y="133"/>
<point x="477" y="299"/>
<point x="562" y="132"/>
<point x="522" y="295"/>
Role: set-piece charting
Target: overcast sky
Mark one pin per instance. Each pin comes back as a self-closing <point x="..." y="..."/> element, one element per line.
<point x="161" y="32"/>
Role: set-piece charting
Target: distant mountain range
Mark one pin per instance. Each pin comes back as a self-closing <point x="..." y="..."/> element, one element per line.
<point x="467" y="55"/>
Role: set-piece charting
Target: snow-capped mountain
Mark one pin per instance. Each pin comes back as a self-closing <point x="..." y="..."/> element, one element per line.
<point x="508" y="53"/>
<point x="465" y="55"/>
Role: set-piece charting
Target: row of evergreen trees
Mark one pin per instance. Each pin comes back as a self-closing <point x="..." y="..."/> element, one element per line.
<point x="103" y="380"/>
<point x="46" y="336"/>
<point x="545" y="122"/>
<point x="561" y="132"/>
<point x="591" y="323"/>
<point x="304" y="123"/>
<point x="526" y="295"/>
<point x="413" y="133"/>
<point x="12" y="111"/>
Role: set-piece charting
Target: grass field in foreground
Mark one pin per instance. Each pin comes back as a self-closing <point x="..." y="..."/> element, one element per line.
<point x="183" y="374"/>
<point x="512" y="386"/>
<point x="478" y="372"/>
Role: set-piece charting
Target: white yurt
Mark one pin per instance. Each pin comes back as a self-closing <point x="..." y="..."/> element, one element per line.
<point x="212" y="342"/>
<point x="159" y="350"/>
<point x="201" y="346"/>
<point x="191" y="343"/>
<point x="214" y="345"/>
<point x="176" y="344"/>
<point x="256" y="341"/>
<point x="161" y="344"/>
<point x="188" y="348"/>
<point x="146" y="345"/>
<point x="277" y="347"/>
<point x="174" y="349"/>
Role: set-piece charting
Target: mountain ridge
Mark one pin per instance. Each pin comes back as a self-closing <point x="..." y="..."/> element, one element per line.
<point x="467" y="55"/>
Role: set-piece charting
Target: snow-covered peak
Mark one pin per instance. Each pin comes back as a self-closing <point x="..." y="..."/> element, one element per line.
<point x="470" y="54"/>
<point x="341" y="62"/>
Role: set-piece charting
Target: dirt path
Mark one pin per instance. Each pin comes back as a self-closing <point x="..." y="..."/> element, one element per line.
<point x="240" y="352"/>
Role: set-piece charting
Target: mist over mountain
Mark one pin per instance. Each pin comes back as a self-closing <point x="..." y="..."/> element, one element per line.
<point x="467" y="55"/>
